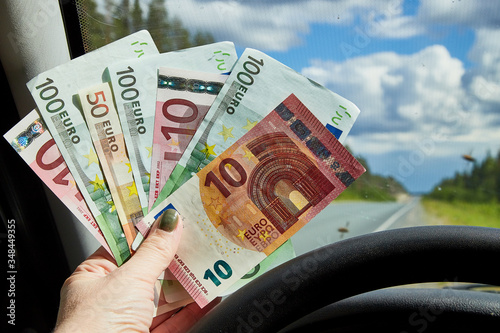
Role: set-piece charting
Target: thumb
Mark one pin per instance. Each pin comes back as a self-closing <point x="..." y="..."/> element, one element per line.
<point x="157" y="251"/>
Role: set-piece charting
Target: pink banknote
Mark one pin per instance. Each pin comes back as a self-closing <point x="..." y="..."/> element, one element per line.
<point x="183" y="99"/>
<point x="31" y="139"/>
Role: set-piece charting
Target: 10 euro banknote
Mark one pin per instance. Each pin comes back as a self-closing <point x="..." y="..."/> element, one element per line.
<point x="254" y="196"/>
<point x="256" y="85"/>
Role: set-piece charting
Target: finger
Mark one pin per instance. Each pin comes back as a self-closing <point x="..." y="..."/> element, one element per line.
<point x="160" y="319"/>
<point x="165" y="316"/>
<point x="185" y="319"/>
<point x="157" y="251"/>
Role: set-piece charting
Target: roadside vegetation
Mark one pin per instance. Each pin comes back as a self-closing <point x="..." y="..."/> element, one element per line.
<point x="372" y="187"/>
<point x="469" y="198"/>
<point x="464" y="213"/>
<point x="119" y="18"/>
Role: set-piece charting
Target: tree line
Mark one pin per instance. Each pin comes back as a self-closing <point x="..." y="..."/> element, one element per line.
<point x="480" y="184"/>
<point x="373" y="187"/>
<point x="118" y="19"/>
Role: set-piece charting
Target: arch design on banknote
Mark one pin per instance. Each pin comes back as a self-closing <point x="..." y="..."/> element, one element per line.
<point x="282" y="174"/>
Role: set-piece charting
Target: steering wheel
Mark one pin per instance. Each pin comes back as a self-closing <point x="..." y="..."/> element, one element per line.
<point x="343" y="281"/>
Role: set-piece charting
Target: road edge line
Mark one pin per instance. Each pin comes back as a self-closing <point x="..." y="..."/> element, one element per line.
<point x="394" y="217"/>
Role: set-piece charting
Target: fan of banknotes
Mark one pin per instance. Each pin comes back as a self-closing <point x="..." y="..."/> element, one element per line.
<point x="245" y="149"/>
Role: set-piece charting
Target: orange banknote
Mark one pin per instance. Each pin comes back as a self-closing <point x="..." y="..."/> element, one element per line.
<point x="254" y="196"/>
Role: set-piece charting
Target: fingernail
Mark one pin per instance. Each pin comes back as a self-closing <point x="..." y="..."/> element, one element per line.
<point x="169" y="220"/>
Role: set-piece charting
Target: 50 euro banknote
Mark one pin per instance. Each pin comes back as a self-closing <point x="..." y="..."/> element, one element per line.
<point x="34" y="143"/>
<point x="106" y="133"/>
<point x="254" y="196"/>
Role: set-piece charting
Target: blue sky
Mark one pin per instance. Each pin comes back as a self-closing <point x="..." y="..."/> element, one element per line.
<point x="425" y="74"/>
<point x="322" y="41"/>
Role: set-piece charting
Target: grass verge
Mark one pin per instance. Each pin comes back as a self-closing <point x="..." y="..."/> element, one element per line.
<point x="464" y="213"/>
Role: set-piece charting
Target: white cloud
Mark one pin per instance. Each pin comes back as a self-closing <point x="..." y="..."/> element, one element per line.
<point x="397" y="27"/>
<point x="431" y="17"/>
<point x="405" y="99"/>
<point x="484" y="79"/>
<point x="400" y="91"/>
<point x="273" y="25"/>
<point x="474" y="14"/>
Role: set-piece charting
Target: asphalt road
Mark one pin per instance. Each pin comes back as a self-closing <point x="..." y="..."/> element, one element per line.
<point x="348" y="219"/>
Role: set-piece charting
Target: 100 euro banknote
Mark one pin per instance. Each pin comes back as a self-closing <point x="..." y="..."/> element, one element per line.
<point x="135" y="83"/>
<point x="55" y="93"/>
<point x="31" y="139"/>
<point x="254" y="196"/>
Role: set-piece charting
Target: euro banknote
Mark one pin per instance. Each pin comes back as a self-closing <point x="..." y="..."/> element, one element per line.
<point x="134" y="83"/>
<point x="104" y="126"/>
<point x="32" y="140"/>
<point x="284" y="253"/>
<point x="55" y="93"/>
<point x="256" y="84"/>
<point x="182" y="101"/>
<point x="254" y="196"/>
<point x="161" y="303"/>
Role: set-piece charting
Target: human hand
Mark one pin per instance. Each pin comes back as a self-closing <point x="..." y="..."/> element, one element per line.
<point x="101" y="297"/>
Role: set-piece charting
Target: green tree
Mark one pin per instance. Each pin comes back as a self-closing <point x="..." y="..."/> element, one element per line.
<point x="480" y="184"/>
<point x="158" y="25"/>
<point x="94" y="33"/>
<point x="107" y="23"/>
<point x="169" y="33"/>
<point x="179" y="35"/>
<point x="202" y="38"/>
<point x="489" y="174"/>
<point x="372" y="187"/>
<point x="121" y="20"/>
<point x="497" y="173"/>
<point x="137" y="19"/>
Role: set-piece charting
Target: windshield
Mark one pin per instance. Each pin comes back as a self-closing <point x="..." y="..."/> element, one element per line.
<point x="423" y="73"/>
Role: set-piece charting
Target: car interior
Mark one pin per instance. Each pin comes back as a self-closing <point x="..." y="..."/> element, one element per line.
<point x="411" y="246"/>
